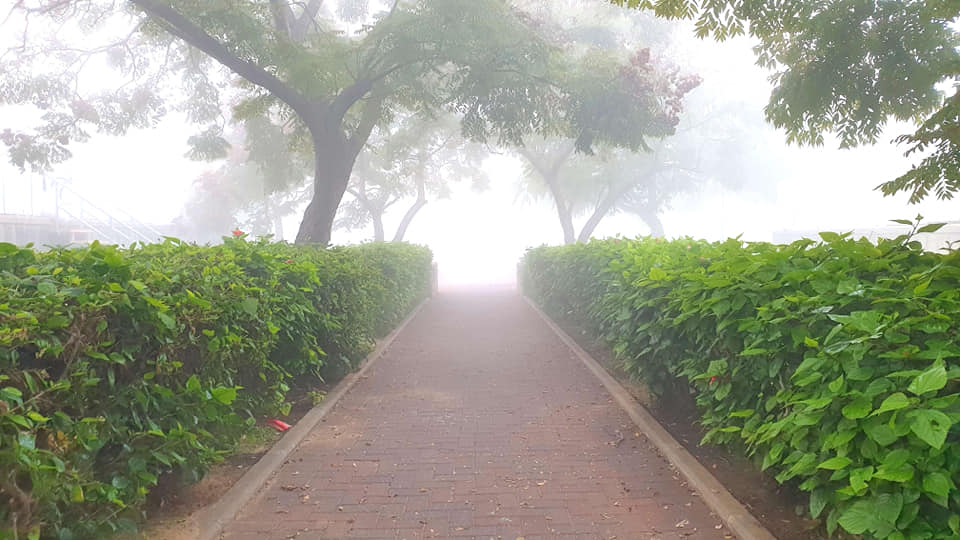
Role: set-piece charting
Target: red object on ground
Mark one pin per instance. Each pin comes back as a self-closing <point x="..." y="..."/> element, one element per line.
<point x="279" y="425"/>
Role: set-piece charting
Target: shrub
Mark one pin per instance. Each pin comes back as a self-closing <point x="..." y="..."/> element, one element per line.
<point x="118" y="365"/>
<point x="833" y="363"/>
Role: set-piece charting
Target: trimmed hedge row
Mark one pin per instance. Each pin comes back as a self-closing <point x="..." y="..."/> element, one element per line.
<point x="118" y="365"/>
<point x="834" y="364"/>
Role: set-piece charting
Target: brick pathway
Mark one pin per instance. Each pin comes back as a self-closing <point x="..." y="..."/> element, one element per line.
<point x="477" y="423"/>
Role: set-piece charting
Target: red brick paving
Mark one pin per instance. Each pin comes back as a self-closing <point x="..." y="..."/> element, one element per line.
<point x="477" y="423"/>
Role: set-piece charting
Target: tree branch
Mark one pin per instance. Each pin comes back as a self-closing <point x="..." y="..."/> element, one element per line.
<point x="348" y="97"/>
<point x="411" y="212"/>
<point x="371" y="115"/>
<point x="301" y="25"/>
<point x="180" y="26"/>
<point x="282" y="17"/>
<point x="605" y="206"/>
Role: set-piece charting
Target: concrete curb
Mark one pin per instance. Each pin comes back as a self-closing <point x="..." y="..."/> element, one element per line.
<point x="717" y="498"/>
<point x="211" y="521"/>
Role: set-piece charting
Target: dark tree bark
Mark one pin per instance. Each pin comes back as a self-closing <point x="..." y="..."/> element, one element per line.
<point x="335" y="156"/>
<point x="332" y="167"/>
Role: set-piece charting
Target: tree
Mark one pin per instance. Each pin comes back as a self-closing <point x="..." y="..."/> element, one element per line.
<point x="261" y="181"/>
<point x="613" y="181"/>
<point x="411" y="158"/>
<point x="847" y="67"/>
<point x="474" y="57"/>
<point x="632" y="103"/>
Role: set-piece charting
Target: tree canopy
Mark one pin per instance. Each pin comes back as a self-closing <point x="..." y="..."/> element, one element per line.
<point x="847" y="67"/>
<point x="281" y="61"/>
<point x="636" y="98"/>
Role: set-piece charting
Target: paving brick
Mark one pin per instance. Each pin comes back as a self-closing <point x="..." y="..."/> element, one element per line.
<point x="477" y="423"/>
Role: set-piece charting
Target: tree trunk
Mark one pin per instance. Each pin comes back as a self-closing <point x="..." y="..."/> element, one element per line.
<point x="411" y="212"/>
<point x="653" y="221"/>
<point x="333" y="164"/>
<point x="335" y="154"/>
<point x="591" y="224"/>
<point x="377" y="219"/>
<point x="278" y="227"/>
<point x="407" y="219"/>
<point x="563" y="211"/>
<point x="603" y="208"/>
<point x="550" y="173"/>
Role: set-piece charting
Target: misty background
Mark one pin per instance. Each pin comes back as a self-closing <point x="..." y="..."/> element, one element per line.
<point x="478" y="228"/>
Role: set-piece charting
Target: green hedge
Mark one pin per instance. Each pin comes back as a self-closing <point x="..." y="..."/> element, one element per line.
<point x="834" y="363"/>
<point x="118" y="365"/>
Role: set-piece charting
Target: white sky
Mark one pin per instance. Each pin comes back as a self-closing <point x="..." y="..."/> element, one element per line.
<point x="479" y="238"/>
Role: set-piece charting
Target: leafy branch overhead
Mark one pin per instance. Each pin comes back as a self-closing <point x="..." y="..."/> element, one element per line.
<point x="849" y="66"/>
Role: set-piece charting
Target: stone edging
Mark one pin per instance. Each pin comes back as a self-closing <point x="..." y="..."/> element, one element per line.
<point x="711" y="491"/>
<point x="211" y="521"/>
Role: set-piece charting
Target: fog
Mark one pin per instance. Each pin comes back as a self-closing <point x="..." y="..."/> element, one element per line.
<point x="478" y="236"/>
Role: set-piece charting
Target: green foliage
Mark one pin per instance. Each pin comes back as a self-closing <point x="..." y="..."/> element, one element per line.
<point x="847" y="67"/>
<point x="118" y="366"/>
<point x="833" y="364"/>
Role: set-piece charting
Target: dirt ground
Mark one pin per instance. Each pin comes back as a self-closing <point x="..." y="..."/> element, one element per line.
<point x="172" y="508"/>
